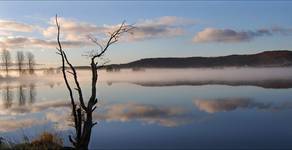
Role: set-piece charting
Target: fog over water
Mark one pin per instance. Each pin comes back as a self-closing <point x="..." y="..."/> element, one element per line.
<point x="230" y="104"/>
<point x="164" y="75"/>
<point x="228" y="74"/>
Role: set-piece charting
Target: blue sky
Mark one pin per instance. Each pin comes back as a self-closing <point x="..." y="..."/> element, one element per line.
<point x="165" y="29"/>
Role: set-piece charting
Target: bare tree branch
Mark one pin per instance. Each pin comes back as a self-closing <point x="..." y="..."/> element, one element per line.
<point x="66" y="80"/>
<point x="113" y="37"/>
<point x="74" y="73"/>
<point x="95" y="41"/>
<point x="30" y="62"/>
<point x="84" y="124"/>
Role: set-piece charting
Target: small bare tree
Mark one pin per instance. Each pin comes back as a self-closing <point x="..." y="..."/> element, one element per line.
<point x="30" y="62"/>
<point x="82" y="113"/>
<point x="6" y="60"/>
<point x="20" y="61"/>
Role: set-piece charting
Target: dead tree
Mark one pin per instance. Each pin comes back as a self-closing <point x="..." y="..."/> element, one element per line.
<point x="20" y="61"/>
<point x="6" y="60"/>
<point x="81" y="111"/>
<point x="30" y="62"/>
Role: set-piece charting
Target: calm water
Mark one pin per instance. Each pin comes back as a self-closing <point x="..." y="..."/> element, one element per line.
<point x="160" y="109"/>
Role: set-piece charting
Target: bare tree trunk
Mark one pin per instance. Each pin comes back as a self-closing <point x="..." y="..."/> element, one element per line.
<point x="82" y="114"/>
<point x="30" y="62"/>
<point x="6" y="60"/>
<point x="20" y="61"/>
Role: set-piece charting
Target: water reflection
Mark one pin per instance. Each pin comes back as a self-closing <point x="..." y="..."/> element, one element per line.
<point x="58" y="112"/>
<point x="125" y="112"/>
<point x="183" y="114"/>
<point x="23" y="92"/>
<point x="145" y="113"/>
<point x="7" y="95"/>
<point x="20" y="115"/>
<point x="32" y="93"/>
<point x="21" y="95"/>
<point x="269" y="84"/>
<point x="20" y="121"/>
<point x="230" y="104"/>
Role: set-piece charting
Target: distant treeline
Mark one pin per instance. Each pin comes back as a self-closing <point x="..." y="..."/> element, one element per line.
<point x="281" y="58"/>
<point x="24" y="62"/>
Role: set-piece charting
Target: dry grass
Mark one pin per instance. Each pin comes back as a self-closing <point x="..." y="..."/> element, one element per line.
<point x="45" y="141"/>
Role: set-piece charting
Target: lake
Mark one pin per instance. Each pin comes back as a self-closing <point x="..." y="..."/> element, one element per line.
<point x="232" y="108"/>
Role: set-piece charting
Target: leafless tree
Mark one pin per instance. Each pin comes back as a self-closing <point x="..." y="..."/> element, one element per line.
<point x="82" y="112"/>
<point x="30" y="62"/>
<point x="6" y="60"/>
<point x="20" y="61"/>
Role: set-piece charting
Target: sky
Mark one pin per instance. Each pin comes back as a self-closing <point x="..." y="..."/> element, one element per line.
<point x="162" y="28"/>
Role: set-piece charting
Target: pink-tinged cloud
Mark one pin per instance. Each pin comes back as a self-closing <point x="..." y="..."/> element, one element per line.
<point x="8" y="25"/>
<point x="167" y="26"/>
<point x="72" y="30"/>
<point x="28" y="42"/>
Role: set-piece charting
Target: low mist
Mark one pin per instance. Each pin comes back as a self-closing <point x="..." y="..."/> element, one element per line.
<point x="264" y="77"/>
<point x="226" y="74"/>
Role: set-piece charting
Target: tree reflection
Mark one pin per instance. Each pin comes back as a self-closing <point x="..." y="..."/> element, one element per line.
<point x="7" y="96"/>
<point x="25" y="94"/>
<point x="51" y="84"/>
<point x="21" y="95"/>
<point x="32" y="93"/>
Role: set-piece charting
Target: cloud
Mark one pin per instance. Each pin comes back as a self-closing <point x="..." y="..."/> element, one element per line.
<point x="230" y="104"/>
<point x="167" y="21"/>
<point x="10" y="39"/>
<point x="23" y="42"/>
<point x="74" y="30"/>
<point x="8" y="25"/>
<point x="75" y="33"/>
<point x="228" y="35"/>
<point x="167" y="26"/>
<point x="281" y="30"/>
<point x="5" y="33"/>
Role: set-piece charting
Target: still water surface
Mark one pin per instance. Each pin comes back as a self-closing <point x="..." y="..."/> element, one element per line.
<point x="158" y="109"/>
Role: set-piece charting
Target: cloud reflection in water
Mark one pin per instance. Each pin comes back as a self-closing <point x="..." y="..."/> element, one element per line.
<point x="58" y="112"/>
<point x="230" y="104"/>
<point x="145" y="113"/>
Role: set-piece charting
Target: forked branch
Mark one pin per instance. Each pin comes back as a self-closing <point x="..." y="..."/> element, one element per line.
<point x="84" y="124"/>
